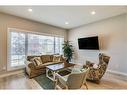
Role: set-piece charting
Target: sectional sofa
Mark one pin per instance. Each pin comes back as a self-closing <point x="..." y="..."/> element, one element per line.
<point x="36" y="65"/>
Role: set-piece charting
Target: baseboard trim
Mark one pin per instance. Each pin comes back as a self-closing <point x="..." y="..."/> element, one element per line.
<point x="11" y="73"/>
<point x="123" y="75"/>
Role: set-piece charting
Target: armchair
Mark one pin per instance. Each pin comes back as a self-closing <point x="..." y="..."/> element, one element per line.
<point x="74" y="80"/>
<point x="95" y="74"/>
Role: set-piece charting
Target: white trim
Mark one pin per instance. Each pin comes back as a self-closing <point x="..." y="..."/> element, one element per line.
<point x="117" y="73"/>
<point x="11" y="73"/>
<point x="8" y="49"/>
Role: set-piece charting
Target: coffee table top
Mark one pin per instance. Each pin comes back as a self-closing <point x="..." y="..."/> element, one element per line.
<point x="59" y="66"/>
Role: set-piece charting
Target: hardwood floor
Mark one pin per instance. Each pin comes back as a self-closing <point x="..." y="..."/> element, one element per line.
<point x="21" y="81"/>
<point x="109" y="81"/>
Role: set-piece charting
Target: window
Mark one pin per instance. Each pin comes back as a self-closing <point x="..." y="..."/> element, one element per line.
<point x="58" y="45"/>
<point x="26" y="43"/>
<point x="39" y="44"/>
<point x="17" y="49"/>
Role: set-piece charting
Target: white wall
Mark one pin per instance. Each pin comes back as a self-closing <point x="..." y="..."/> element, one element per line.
<point x="112" y="34"/>
<point x="9" y="21"/>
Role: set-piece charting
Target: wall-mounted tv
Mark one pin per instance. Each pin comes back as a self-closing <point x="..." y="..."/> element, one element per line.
<point x="90" y="43"/>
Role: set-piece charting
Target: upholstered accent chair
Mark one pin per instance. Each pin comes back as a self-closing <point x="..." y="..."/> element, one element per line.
<point x="74" y="80"/>
<point x="95" y="74"/>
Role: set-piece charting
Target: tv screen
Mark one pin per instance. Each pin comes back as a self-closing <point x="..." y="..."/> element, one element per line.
<point x="89" y="43"/>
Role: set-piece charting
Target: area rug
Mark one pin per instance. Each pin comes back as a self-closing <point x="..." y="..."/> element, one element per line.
<point x="45" y="82"/>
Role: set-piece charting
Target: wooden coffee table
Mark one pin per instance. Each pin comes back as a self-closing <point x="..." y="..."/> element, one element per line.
<point x="52" y="69"/>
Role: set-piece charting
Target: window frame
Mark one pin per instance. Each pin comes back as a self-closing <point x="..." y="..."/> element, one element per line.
<point x="26" y="32"/>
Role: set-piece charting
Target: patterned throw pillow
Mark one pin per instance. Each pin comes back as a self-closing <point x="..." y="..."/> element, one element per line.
<point x="56" y="58"/>
<point x="37" y="61"/>
<point x="46" y="58"/>
<point x="95" y="66"/>
<point x="33" y="61"/>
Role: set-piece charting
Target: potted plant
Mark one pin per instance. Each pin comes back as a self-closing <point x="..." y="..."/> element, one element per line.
<point x="68" y="51"/>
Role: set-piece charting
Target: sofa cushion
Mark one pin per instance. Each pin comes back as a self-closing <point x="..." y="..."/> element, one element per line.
<point x="56" y="58"/>
<point x="42" y="66"/>
<point x="46" y="64"/>
<point x="50" y="63"/>
<point x="46" y="58"/>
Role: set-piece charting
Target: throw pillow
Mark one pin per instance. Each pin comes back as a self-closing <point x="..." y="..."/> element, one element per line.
<point x="38" y="61"/>
<point x="56" y="58"/>
<point x="33" y="61"/>
<point x="95" y="66"/>
<point x="46" y="58"/>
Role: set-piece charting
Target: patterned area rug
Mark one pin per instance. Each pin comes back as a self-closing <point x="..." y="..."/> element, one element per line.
<point x="45" y="82"/>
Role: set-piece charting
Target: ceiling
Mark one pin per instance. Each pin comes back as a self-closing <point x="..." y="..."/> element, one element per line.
<point x="58" y="15"/>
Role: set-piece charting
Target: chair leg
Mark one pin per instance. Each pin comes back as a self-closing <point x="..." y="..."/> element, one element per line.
<point x="56" y="81"/>
<point x="86" y="85"/>
<point x="98" y="81"/>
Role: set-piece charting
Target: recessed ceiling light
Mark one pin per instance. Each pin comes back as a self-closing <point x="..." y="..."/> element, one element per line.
<point x="66" y="23"/>
<point x="93" y="12"/>
<point x="30" y="10"/>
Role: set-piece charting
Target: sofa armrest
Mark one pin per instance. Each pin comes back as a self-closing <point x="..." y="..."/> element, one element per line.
<point x="30" y="65"/>
<point x="63" y="59"/>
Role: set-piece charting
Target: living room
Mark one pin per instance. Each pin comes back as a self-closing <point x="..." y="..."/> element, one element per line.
<point x="26" y="33"/>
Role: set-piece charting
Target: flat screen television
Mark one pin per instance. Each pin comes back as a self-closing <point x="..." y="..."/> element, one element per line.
<point x="90" y="43"/>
